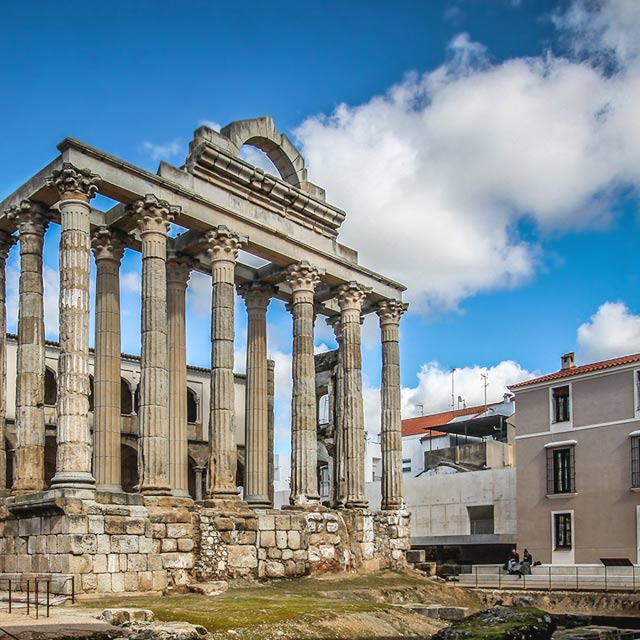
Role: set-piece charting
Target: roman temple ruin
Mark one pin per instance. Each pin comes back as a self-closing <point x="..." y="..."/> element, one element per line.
<point x="78" y="522"/>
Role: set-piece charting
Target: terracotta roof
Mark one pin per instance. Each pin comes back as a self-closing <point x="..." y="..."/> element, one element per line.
<point x="416" y="426"/>
<point x="574" y="371"/>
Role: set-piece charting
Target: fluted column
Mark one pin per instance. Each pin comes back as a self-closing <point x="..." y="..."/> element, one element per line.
<point x="178" y="272"/>
<point x="30" y="435"/>
<point x="302" y="279"/>
<point x="154" y="218"/>
<point x="6" y="242"/>
<point x="223" y="458"/>
<point x="340" y="474"/>
<point x="270" y="425"/>
<point x="75" y="187"/>
<point x="256" y="444"/>
<point x="350" y="298"/>
<point x="390" y="312"/>
<point x="108" y="249"/>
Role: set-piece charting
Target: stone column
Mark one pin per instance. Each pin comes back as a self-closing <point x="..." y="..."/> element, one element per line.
<point x="270" y="425"/>
<point x="350" y="298"/>
<point x="389" y="312"/>
<point x="256" y="444"/>
<point x="154" y="218"/>
<point x="223" y="458"/>
<point x="178" y="272"/>
<point x="198" y="471"/>
<point x="302" y="279"/>
<point x="108" y="248"/>
<point x="29" y="461"/>
<point x="75" y="187"/>
<point x="340" y="473"/>
<point x="6" y="242"/>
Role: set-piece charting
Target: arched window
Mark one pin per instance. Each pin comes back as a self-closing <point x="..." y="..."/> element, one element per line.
<point x="91" y="400"/>
<point x="50" y="388"/>
<point x="126" y="401"/>
<point x="192" y="406"/>
<point x="136" y="400"/>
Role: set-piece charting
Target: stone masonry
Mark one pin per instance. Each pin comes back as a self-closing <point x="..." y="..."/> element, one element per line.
<point x="81" y="526"/>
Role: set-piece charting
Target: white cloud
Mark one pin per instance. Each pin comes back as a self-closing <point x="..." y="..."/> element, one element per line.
<point x="130" y="282"/>
<point x="611" y="332"/>
<point x="433" y="390"/>
<point x="212" y="124"/>
<point x="436" y="174"/>
<point x="164" y="151"/>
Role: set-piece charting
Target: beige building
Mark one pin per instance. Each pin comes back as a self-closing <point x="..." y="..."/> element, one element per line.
<point x="578" y="473"/>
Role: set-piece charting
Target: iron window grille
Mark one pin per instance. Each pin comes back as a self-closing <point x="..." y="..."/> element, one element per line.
<point x="635" y="461"/>
<point x="561" y="470"/>
<point x="562" y="526"/>
<point x="561" y="404"/>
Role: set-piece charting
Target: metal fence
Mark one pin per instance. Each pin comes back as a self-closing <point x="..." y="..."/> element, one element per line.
<point x="35" y="594"/>
<point x="585" y="578"/>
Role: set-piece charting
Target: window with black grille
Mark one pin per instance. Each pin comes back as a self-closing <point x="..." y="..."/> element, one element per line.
<point x="561" y="404"/>
<point x="562" y="530"/>
<point x="635" y="461"/>
<point x="561" y="471"/>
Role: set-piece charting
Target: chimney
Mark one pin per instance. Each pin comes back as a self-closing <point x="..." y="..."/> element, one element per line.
<point x="568" y="360"/>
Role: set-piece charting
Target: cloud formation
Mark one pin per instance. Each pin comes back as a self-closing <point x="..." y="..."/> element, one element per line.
<point x="164" y="151"/>
<point x="611" y="332"/>
<point x="437" y="173"/>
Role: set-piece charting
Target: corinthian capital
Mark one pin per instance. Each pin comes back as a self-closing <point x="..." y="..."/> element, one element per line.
<point x="108" y="244"/>
<point x="224" y="244"/>
<point x="30" y="217"/>
<point x="390" y="311"/>
<point x="154" y="215"/>
<point x="6" y="242"/>
<point x="179" y="269"/>
<point x="302" y="276"/>
<point x="352" y="295"/>
<point x="74" y="183"/>
<point x="256" y="294"/>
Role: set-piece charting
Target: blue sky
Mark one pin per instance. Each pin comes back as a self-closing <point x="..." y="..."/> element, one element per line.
<point x="487" y="154"/>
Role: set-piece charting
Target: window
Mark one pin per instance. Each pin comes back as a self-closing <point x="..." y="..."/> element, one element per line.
<point x="324" y="483"/>
<point x="481" y="519"/>
<point x="192" y="406"/>
<point x="126" y="401"/>
<point x="561" y="404"/>
<point x="323" y="409"/>
<point x="406" y="465"/>
<point x="50" y="388"/>
<point x="635" y="461"/>
<point x="561" y="472"/>
<point x="562" y="530"/>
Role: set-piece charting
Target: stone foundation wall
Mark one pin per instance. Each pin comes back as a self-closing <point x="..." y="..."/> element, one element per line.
<point x="113" y="543"/>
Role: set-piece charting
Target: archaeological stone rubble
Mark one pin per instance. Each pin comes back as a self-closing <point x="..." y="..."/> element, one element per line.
<point x="84" y="522"/>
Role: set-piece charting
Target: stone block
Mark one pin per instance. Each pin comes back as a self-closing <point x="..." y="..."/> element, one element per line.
<point x="169" y="545"/>
<point x="52" y="544"/>
<point x="287" y="554"/>
<point x="121" y="616"/>
<point x="224" y="524"/>
<point x="131" y="581"/>
<point x="301" y="555"/>
<point x="104" y="583"/>
<point x="281" y="539"/>
<point x="80" y="564"/>
<point x="136" y="562"/>
<point x="95" y="524"/>
<point x="333" y="527"/>
<point x="159" y="530"/>
<point x="273" y="553"/>
<point x="267" y="539"/>
<point x="146" y="545"/>
<point x="124" y="544"/>
<point x="159" y="581"/>
<point x="145" y="581"/>
<point x="293" y="540"/>
<point x="154" y="562"/>
<point x="214" y="588"/>
<point x="89" y="582"/>
<point x="185" y="544"/>
<point x="262" y="554"/>
<point x="124" y="525"/>
<point x="113" y="563"/>
<point x="177" y="560"/>
<point x="283" y="522"/>
<point x="242" y="557"/>
<point x="77" y="524"/>
<point x="274" y="569"/>
<point x="100" y="563"/>
<point x="246" y="537"/>
<point x="117" y="582"/>
<point x="266" y="522"/>
<point x="179" y="530"/>
<point x="327" y="552"/>
<point x="104" y="543"/>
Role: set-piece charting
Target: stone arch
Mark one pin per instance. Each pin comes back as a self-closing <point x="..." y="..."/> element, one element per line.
<point x="192" y="406"/>
<point x="262" y="133"/>
<point x="129" y="467"/>
<point x="50" y="387"/>
<point x="126" y="398"/>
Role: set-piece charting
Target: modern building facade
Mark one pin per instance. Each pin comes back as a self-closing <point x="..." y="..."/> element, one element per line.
<point x="578" y="473"/>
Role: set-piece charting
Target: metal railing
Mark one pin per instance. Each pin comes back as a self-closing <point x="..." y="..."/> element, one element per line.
<point x="37" y="592"/>
<point x="578" y="578"/>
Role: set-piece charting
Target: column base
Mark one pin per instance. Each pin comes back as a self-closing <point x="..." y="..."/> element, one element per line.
<point x="73" y="480"/>
<point x="258" y="502"/>
<point x="356" y="504"/>
<point x="180" y="493"/>
<point x="155" y="491"/>
<point x="391" y="505"/>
